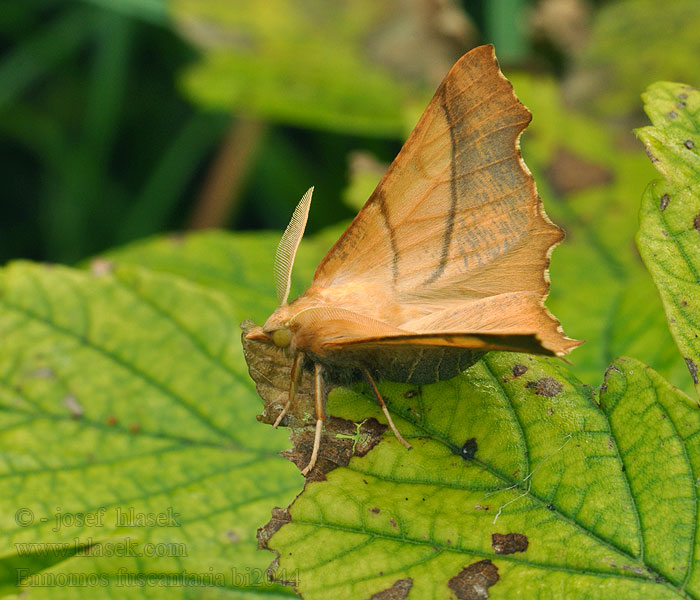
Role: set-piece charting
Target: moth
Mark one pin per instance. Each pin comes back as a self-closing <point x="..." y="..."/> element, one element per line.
<point x="448" y="258"/>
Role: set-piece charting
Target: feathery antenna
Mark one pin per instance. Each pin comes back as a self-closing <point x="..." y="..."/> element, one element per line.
<point x="287" y="248"/>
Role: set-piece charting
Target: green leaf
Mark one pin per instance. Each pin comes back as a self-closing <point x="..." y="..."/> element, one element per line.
<point x="669" y="233"/>
<point x="126" y="391"/>
<point x="673" y="140"/>
<point x="518" y="485"/>
<point x="344" y="67"/>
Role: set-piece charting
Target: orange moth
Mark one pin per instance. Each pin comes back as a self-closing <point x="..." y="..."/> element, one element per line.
<point x="447" y="259"/>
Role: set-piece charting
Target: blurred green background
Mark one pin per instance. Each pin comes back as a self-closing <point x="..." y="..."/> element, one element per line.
<point x="124" y="118"/>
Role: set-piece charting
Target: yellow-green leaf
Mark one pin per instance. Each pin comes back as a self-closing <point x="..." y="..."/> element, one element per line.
<point x="517" y="482"/>
<point x="669" y="233"/>
<point x="130" y="449"/>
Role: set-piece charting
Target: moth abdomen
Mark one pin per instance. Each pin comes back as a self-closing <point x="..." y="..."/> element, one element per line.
<point x="402" y="365"/>
<point x="421" y="367"/>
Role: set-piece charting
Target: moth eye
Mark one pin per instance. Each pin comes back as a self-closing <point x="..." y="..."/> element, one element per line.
<point x="282" y="337"/>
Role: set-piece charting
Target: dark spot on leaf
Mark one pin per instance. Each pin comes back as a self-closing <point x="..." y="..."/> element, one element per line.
<point x="683" y="96"/>
<point x="672" y="114"/>
<point x="696" y="222"/>
<point x="684" y="303"/>
<point x="550" y="507"/>
<point x="393" y="523"/>
<point x="232" y="536"/>
<point x="663" y="203"/>
<point x="134" y="428"/>
<point x="479" y="507"/>
<point x="547" y="386"/>
<point x="279" y="518"/>
<point x="624" y="468"/>
<point x="689" y="144"/>
<point x="111" y="420"/>
<point x="398" y="591"/>
<point x="411" y="394"/>
<point x="469" y="449"/>
<point x="519" y="370"/>
<point x="375" y="510"/>
<point x="569" y="172"/>
<point x="473" y="582"/>
<point x="652" y="158"/>
<point x="508" y="543"/>
<point x="664" y="233"/>
<point x="693" y="368"/>
<point x="680" y="104"/>
<point x="334" y="451"/>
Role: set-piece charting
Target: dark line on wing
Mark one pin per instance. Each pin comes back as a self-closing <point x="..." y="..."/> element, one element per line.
<point x="447" y="237"/>
<point x="392" y="236"/>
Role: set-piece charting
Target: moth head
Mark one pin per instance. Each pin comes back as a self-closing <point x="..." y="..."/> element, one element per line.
<point x="276" y="330"/>
<point x="277" y="327"/>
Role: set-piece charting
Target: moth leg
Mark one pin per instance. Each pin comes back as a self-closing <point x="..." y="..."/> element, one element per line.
<point x="379" y="398"/>
<point x="294" y="382"/>
<point x="320" y="416"/>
